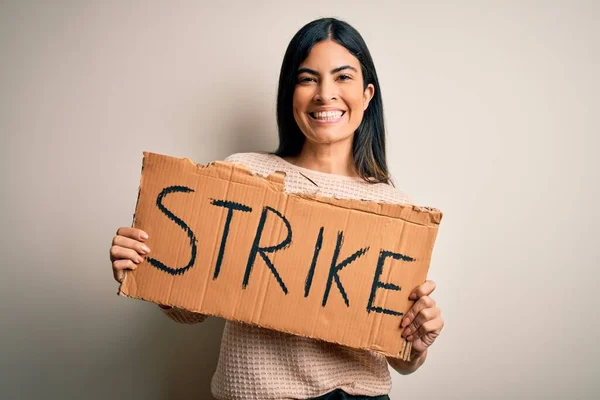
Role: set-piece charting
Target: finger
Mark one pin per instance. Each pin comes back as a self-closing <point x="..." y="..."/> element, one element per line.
<point x="433" y="326"/>
<point x="421" y="344"/>
<point x="425" y="315"/>
<point x="132" y="233"/>
<point x="120" y="266"/>
<point x="122" y="253"/>
<point x="119" y="275"/>
<point x="425" y="289"/>
<point x="423" y="302"/>
<point x="134" y="244"/>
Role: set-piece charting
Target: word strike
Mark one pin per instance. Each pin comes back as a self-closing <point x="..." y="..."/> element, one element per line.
<point x="263" y="251"/>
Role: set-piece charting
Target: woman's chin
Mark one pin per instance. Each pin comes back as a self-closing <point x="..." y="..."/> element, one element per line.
<point x="328" y="138"/>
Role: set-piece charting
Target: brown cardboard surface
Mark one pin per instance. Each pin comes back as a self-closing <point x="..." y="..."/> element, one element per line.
<point x="332" y="269"/>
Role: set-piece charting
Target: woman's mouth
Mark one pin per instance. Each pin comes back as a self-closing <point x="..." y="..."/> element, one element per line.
<point x="327" y="116"/>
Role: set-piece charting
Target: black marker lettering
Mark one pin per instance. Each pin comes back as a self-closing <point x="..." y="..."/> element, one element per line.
<point x="159" y="203"/>
<point x="389" y="286"/>
<point x="231" y="206"/>
<point x="336" y="268"/>
<point x="256" y="249"/>
<point x="311" y="271"/>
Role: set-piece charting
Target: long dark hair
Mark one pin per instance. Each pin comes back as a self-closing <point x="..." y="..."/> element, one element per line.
<point x="368" y="146"/>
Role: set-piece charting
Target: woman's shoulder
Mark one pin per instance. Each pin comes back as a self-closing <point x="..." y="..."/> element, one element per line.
<point x="388" y="193"/>
<point x="241" y="158"/>
<point x="262" y="163"/>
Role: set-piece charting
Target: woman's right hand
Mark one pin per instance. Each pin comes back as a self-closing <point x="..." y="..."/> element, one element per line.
<point x="127" y="250"/>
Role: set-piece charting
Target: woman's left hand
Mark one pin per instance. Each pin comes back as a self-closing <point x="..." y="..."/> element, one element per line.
<point x="423" y="322"/>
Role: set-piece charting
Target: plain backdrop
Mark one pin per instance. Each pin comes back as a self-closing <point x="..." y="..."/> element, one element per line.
<point x="492" y="116"/>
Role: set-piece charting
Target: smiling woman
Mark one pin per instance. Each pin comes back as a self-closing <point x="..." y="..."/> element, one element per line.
<point x="332" y="139"/>
<point x="328" y="67"/>
<point x="329" y="100"/>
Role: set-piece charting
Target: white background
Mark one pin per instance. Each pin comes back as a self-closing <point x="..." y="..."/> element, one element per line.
<point x="492" y="114"/>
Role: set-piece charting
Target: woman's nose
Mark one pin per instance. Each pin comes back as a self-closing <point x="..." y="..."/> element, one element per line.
<point x="326" y="91"/>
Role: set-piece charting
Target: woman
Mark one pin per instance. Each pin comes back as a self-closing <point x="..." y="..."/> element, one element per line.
<point x="331" y="142"/>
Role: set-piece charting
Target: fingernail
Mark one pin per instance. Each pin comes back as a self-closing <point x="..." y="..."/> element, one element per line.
<point x="141" y="259"/>
<point x="144" y="235"/>
<point x="410" y="338"/>
<point x="145" y="249"/>
<point x="413" y="296"/>
<point x="405" y="322"/>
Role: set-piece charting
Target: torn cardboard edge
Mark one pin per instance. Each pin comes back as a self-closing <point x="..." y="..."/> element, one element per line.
<point x="427" y="215"/>
<point x="412" y="214"/>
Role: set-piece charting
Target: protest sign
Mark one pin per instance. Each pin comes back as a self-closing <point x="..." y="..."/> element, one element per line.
<point x="228" y="243"/>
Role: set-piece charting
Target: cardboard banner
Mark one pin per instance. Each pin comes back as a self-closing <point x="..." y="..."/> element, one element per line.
<point x="232" y="244"/>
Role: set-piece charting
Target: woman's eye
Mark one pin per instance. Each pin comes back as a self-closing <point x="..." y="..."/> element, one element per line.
<point x="344" y="77"/>
<point x="306" y="79"/>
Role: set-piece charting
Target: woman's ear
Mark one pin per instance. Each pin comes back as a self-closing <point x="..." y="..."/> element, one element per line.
<point x="368" y="95"/>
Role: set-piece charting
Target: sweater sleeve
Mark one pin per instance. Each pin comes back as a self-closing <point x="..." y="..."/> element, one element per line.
<point x="183" y="316"/>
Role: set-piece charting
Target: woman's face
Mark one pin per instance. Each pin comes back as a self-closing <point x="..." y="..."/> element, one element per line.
<point x="329" y="100"/>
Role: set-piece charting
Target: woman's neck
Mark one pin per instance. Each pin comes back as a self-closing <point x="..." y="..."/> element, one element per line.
<point x="330" y="159"/>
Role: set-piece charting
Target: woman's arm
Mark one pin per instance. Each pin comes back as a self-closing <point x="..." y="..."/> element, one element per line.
<point x="407" y="367"/>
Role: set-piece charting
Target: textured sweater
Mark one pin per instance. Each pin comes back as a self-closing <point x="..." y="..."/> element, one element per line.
<point x="257" y="363"/>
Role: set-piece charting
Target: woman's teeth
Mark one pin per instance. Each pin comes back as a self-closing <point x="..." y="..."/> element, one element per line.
<point x="327" y="115"/>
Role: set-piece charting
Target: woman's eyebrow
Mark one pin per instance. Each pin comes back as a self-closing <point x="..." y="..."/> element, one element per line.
<point x="333" y="71"/>
<point x="343" y="67"/>
<point x="308" y="71"/>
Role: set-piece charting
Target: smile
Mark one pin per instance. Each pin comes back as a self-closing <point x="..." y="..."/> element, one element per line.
<point x="327" y="116"/>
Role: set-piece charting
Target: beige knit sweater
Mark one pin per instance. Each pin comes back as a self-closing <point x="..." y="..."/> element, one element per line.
<point x="257" y="363"/>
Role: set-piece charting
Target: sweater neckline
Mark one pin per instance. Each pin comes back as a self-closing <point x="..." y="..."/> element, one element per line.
<point x="318" y="173"/>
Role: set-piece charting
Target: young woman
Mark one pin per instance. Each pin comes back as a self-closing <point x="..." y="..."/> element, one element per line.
<point x="331" y="142"/>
